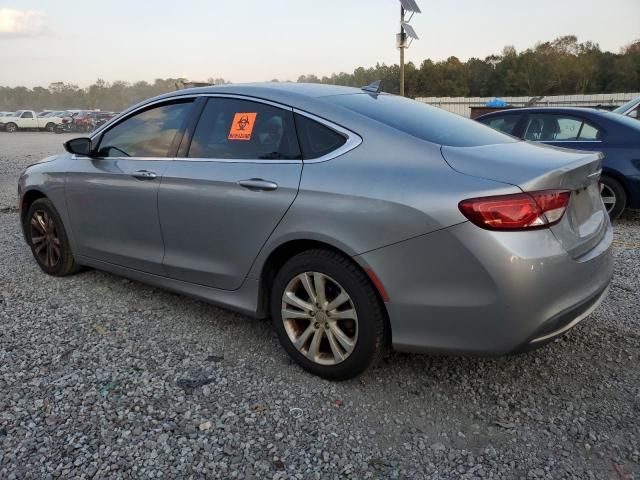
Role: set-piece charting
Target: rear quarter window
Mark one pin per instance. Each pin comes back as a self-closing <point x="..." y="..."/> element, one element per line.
<point x="421" y="120"/>
<point x="504" y="124"/>
<point x="316" y="140"/>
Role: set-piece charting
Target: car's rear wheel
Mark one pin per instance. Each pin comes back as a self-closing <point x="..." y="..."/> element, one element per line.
<point x="327" y="315"/>
<point x="11" y="127"/>
<point x="614" y="196"/>
<point x="50" y="126"/>
<point x="48" y="239"/>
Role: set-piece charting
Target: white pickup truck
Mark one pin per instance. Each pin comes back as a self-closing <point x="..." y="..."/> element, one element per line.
<point x="28" y="119"/>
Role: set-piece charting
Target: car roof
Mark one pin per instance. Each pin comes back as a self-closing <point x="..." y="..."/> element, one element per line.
<point x="303" y="96"/>
<point x="314" y="90"/>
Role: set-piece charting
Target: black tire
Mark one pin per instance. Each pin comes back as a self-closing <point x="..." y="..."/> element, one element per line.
<point x="612" y="186"/>
<point x="50" y="127"/>
<point x="11" y="127"/>
<point x="65" y="263"/>
<point x="372" y="332"/>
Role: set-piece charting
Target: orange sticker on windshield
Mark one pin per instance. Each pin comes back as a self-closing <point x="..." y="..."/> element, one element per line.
<point x="242" y="126"/>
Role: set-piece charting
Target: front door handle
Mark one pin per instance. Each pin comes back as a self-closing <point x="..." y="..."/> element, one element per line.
<point x="258" y="184"/>
<point x="144" y="175"/>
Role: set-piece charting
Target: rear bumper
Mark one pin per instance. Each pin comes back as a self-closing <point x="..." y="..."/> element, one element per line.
<point x="473" y="291"/>
<point x="564" y="321"/>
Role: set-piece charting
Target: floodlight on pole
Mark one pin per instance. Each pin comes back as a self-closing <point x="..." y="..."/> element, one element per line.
<point x="407" y="34"/>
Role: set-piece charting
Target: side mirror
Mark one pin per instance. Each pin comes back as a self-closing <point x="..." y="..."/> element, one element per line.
<point x="79" y="146"/>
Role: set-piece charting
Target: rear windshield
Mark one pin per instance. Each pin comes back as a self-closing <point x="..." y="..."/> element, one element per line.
<point x="421" y="120"/>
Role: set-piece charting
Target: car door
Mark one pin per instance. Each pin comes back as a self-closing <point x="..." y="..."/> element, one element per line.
<point x="28" y="120"/>
<point x="112" y="196"/>
<point x="218" y="204"/>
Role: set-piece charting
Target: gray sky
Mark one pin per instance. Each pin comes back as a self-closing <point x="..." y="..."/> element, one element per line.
<point x="77" y="41"/>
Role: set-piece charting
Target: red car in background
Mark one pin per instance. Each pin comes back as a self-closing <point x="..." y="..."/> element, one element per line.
<point x="89" y="121"/>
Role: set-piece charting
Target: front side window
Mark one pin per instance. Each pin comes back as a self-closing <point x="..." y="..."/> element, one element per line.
<point x="237" y="129"/>
<point x="146" y="134"/>
<point x="558" y="128"/>
<point x="27" y="115"/>
<point x="505" y="124"/>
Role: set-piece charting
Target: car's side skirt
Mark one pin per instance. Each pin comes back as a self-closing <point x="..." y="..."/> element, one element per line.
<point x="243" y="300"/>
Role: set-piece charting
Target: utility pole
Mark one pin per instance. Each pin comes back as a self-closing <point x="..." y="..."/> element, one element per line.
<point x="406" y="32"/>
<point x="403" y="43"/>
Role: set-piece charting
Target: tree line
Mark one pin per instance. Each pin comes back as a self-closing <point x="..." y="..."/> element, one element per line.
<point x="562" y="66"/>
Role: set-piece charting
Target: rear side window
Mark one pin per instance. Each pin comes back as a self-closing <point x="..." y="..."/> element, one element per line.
<point x="557" y="128"/>
<point x="505" y="124"/>
<point x="316" y="140"/>
<point x="421" y="120"/>
<point x="244" y="130"/>
<point x="146" y="134"/>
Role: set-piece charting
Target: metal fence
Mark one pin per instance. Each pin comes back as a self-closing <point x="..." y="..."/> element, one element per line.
<point x="462" y="105"/>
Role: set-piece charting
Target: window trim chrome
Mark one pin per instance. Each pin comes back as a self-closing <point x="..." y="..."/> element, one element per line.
<point x="353" y="139"/>
<point x="566" y="141"/>
<point x="126" y="114"/>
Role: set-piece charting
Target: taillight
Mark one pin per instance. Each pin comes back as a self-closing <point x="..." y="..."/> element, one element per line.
<point x="519" y="211"/>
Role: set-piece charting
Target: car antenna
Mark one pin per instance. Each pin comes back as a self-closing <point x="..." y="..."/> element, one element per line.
<point x="375" y="87"/>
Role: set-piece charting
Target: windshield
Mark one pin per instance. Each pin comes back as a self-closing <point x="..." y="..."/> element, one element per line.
<point x="421" y="120"/>
<point x="627" y="106"/>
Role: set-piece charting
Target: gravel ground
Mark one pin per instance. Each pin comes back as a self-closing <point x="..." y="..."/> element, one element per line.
<point x="101" y="377"/>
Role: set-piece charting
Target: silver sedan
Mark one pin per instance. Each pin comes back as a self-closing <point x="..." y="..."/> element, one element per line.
<point x="357" y="220"/>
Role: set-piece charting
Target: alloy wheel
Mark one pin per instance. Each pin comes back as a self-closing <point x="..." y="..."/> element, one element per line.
<point x="319" y="318"/>
<point x="608" y="197"/>
<point x="44" y="238"/>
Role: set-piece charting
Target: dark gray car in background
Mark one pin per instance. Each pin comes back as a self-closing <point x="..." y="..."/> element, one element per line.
<point x="356" y="220"/>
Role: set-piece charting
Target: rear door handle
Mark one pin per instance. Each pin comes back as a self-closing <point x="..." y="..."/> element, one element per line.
<point x="144" y="175"/>
<point x="258" y="184"/>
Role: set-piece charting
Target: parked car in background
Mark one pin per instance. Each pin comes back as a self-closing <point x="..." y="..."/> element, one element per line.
<point x="44" y="113"/>
<point x="410" y="226"/>
<point x="66" y="125"/>
<point x="28" y="119"/>
<point x="104" y="117"/>
<point x="616" y="136"/>
<point x="56" y="113"/>
<point x="84" y="121"/>
<point x="630" y="109"/>
<point x="81" y="120"/>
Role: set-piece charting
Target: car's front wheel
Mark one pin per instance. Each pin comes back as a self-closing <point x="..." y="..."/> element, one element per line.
<point x="48" y="239"/>
<point x="327" y="315"/>
<point x="614" y="196"/>
<point x="11" y="127"/>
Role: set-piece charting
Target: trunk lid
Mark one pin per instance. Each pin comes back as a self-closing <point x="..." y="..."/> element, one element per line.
<point x="533" y="167"/>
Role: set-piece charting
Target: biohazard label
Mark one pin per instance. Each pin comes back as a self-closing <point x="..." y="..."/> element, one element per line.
<point x="242" y="126"/>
